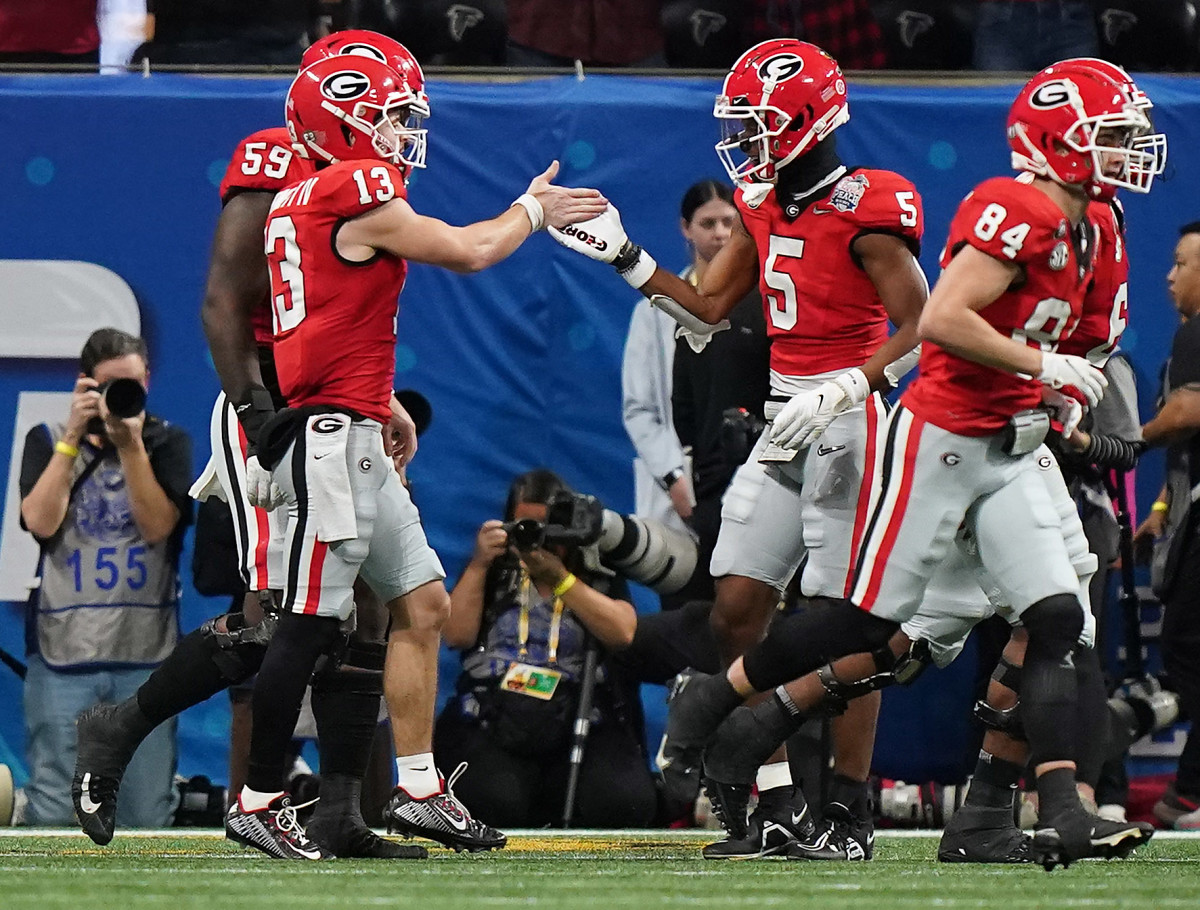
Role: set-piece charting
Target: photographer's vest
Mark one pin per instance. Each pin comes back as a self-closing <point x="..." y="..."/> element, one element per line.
<point x="107" y="597"/>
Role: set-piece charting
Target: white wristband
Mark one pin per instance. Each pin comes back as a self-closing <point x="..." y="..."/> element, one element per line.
<point x="641" y="271"/>
<point x="533" y="208"/>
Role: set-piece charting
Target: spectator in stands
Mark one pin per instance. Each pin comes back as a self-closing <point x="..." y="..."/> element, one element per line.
<point x="594" y="32"/>
<point x="844" y="29"/>
<point x="1174" y="522"/>
<point x="717" y="393"/>
<point x="229" y="32"/>
<point x="33" y="33"/>
<point x="525" y="620"/>
<point x="106" y="498"/>
<point x="1022" y="35"/>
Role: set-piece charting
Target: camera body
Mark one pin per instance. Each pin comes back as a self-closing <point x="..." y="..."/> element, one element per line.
<point x="123" y="398"/>
<point x="572" y="520"/>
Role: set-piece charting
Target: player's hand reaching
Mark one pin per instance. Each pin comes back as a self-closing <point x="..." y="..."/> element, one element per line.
<point x="400" y="436"/>
<point x="562" y="205"/>
<point x="1059" y="370"/>
<point x="808" y="414"/>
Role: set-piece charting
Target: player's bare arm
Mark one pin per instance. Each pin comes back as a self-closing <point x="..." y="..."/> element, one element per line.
<point x="731" y="275"/>
<point x="397" y="228"/>
<point x="972" y="281"/>
<point x="903" y="290"/>
<point x="238" y="282"/>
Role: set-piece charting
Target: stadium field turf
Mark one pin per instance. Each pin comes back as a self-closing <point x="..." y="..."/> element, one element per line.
<point x="567" y="870"/>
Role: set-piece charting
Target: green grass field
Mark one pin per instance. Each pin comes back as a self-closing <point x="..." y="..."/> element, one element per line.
<point x="571" y="871"/>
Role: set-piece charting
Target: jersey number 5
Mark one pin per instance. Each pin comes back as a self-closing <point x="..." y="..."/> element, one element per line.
<point x="287" y="281"/>
<point x="778" y="278"/>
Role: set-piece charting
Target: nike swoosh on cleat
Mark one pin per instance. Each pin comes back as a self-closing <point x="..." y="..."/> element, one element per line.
<point x="86" y="803"/>
<point x="797" y="817"/>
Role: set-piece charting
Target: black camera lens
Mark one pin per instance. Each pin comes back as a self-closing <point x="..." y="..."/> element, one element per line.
<point x="124" y="397"/>
<point x="526" y="534"/>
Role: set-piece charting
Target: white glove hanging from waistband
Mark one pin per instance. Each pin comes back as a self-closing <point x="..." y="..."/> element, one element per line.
<point x="692" y="328"/>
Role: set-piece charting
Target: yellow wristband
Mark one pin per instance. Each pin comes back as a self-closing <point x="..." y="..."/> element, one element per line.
<point x="1160" y="506"/>
<point x="65" y="448"/>
<point x="565" y="585"/>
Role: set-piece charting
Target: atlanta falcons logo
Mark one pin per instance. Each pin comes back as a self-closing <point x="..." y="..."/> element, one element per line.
<point x="704" y="23"/>
<point x="912" y="26"/>
<point x="780" y="67"/>
<point x="460" y="18"/>
<point x="1115" y="23"/>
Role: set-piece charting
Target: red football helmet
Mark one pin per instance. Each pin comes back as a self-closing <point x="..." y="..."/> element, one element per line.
<point x="362" y="43"/>
<point x="1056" y="125"/>
<point x="1150" y="142"/>
<point x="346" y="107"/>
<point x="781" y="98"/>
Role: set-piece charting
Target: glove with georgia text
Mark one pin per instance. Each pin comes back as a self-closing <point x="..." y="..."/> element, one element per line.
<point x="603" y="238"/>
<point x="808" y="414"/>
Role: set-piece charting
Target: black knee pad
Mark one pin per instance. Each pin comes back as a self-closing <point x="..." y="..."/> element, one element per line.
<point x="238" y="649"/>
<point x="796" y="645"/>
<point x="1054" y="625"/>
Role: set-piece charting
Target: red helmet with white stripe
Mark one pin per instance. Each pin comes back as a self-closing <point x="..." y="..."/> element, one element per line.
<point x="781" y="98"/>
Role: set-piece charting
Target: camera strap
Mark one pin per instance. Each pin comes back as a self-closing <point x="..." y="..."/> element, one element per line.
<point x="523" y="622"/>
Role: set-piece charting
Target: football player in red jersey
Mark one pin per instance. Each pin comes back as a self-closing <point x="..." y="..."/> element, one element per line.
<point x="832" y="250"/>
<point x="227" y="650"/>
<point x="963" y="453"/>
<point x="337" y="246"/>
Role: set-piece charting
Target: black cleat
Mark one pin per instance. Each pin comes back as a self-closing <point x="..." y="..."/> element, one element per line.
<point x="347" y="839"/>
<point x="102" y="755"/>
<point x="273" y="830"/>
<point x="776" y="823"/>
<point x="441" y="817"/>
<point x="984" y="834"/>
<point x="844" y="838"/>
<point x="730" y="803"/>
<point x="1082" y="835"/>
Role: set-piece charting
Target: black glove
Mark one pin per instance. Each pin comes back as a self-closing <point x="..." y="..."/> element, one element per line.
<point x="253" y="411"/>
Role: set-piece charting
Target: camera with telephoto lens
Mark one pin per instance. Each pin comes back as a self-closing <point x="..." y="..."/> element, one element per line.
<point x="123" y="398"/>
<point x="572" y="520"/>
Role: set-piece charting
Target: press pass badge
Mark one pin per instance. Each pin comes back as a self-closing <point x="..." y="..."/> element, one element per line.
<point x="536" y="682"/>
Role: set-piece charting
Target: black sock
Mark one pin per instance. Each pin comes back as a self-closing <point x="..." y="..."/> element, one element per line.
<point x="341" y="801"/>
<point x="1093" y="715"/>
<point x="189" y="675"/>
<point x="994" y="784"/>
<point x="299" y="640"/>
<point x="853" y="794"/>
<point x="1057" y="796"/>
<point x="345" y="704"/>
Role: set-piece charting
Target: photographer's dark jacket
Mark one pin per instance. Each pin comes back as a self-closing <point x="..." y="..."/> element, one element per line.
<point x="107" y="598"/>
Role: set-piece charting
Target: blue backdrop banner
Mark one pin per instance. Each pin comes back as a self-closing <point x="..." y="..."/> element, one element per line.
<point x="521" y="363"/>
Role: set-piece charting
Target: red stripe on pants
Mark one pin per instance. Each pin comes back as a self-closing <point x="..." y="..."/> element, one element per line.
<point x="912" y="442"/>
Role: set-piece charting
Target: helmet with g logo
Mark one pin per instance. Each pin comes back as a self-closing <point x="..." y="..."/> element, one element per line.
<point x="781" y="98"/>
<point x="1055" y="129"/>
<point x="350" y="107"/>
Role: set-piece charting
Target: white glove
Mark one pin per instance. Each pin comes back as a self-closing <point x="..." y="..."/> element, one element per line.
<point x="808" y="414"/>
<point x="694" y="330"/>
<point x="261" y="489"/>
<point x="599" y="238"/>
<point x="1063" y="408"/>
<point x="603" y="238"/>
<point x="1060" y="370"/>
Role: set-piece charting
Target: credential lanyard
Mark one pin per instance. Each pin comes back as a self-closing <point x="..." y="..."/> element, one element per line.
<point x="523" y="622"/>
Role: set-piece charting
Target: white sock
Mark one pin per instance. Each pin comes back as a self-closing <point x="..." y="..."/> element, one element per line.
<point x="253" y="801"/>
<point x="418" y="775"/>
<point x="777" y="774"/>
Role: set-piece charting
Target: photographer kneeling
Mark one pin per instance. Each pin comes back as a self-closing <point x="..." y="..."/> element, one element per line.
<point x="527" y="608"/>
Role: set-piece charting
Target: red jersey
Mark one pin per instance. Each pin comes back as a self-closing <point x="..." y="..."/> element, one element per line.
<point x="264" y="162"/>
<point x="1012" y="222"/>
<point x="335" y="320"/>
<point x="823" y="312"/>
<point x="1106" y="306"/>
